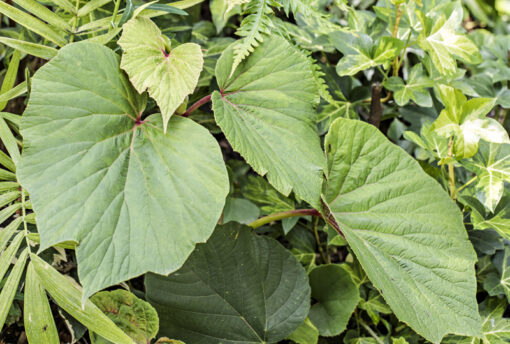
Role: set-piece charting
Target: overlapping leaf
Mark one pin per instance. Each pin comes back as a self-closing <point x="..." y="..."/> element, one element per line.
<point x="404" y="229"/>
<point x="360" y="51"/>
<point x="170" y="74"/>
<point x="236" y="288"/>
<point x="466" y="120"/>
<point x="265" y="109"/>
<point x="492" y="167"/>
<point x="441" y="40"/>
<point x="415" y="88"/>
<point x="134" y="198"/>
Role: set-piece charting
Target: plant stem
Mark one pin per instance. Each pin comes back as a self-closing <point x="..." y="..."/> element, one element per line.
<point x="371" y="332"/>
<point x="198" y="104"/>
<point x="375" y="105"/>
<point x="398" y="15"/>
<point x="24" y="214"/>
<point x="451" y="172"/>
<point x="114" y="15"/>
<point x="317" y="238"/>
<point x="283" y="215"/>
<point x="75" y="21"/>
<point x="467" y="183"/>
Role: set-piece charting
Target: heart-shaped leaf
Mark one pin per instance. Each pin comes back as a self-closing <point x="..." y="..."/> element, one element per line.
<point x="404" y="229"/>
<point x="236" y="288"/>
<point x="170" y="74"/>
<point x="265" y="109"/>
<point x="134" y="198"/>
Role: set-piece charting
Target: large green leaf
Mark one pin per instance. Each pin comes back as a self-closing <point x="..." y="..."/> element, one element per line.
<point x="169" y="74"/>
<point x="492" y="167"/>
<point x="440" y="39"/>
<point x="134" y="198"/>
<point x="265" y="109"/>
<point x="236" y="288"/>
<point x="336" y="295"/>
<point x="404" y="229"/>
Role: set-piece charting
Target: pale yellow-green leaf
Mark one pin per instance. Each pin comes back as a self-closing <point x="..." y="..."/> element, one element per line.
<point x="34" y="49"/>
<point x="169" y="74"/>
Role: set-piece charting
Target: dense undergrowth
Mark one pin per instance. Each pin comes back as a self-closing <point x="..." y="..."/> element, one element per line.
<point x="255" y="171"/>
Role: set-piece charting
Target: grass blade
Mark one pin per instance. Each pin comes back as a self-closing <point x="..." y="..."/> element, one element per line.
<point x="9" y="142"/>
<point x="44" y="13"/>
<point x="65" y="5"/>
<point x="9" y="289"/>
<point x="91" y="6"/>
<point x="32" y="23"/>
<point x="69" y="297"/>
<point x="33" y="49"/>
<point x="10" y="76"/>
<point x="39" y="324"/>
<point x="6" y="234"/>
<point x="7" y="162"/>
<point x="9" y="211"/>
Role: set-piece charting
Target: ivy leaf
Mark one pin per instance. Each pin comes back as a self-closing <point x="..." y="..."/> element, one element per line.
<point x="266" y="111"/>
<point x="336" y="295"/>
<point x="440" y="39"/>
<point x="170" y="75"/>
<point x="492" y="166"/>
<point x="499" y="219"/>
<point x="134" y="198"/>
<point x="414" y="88"/>
<point x="406" y="232"/>
<point x="206" y="300"/>
<point x="466" y="120"/>
<point x="361" y="53"/>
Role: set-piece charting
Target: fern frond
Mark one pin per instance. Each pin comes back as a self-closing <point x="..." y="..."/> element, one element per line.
<point x="304" y="7"/>
<point x="252" y="28"/>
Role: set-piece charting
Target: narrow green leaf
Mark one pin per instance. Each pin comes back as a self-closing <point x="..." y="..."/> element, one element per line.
<point x="44" y="13"/>
<point x="32" y="23"/>
<point x="69" y="296"/>
<point x="8" y="197"/>
<point x="15" y="119"/>
<point x="90" y="6"/>
<point x="39" y="324"/>
<point x="8" y="186"/>
<point x="306" y="333"/>
<point x="406" y="232"/>
<point x="170" y="75"/>
<point x="10" y="76"/>
<point x="266" y="111"/>
<point x="9" y="141"/>
<point x="6" y="175"/>
<point x="11" y="285"/>
<point x="8" y="255"/>
<point x="65" y="4"/>
<point x="7" y="232"/>
<point x="9" y="211"/>
<point x="167" y="9"/>
<point x="7" y="162"/>
<point x="33" y="49"/>
<point x="35" y="237"/>
<point x="14" y="92"/>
